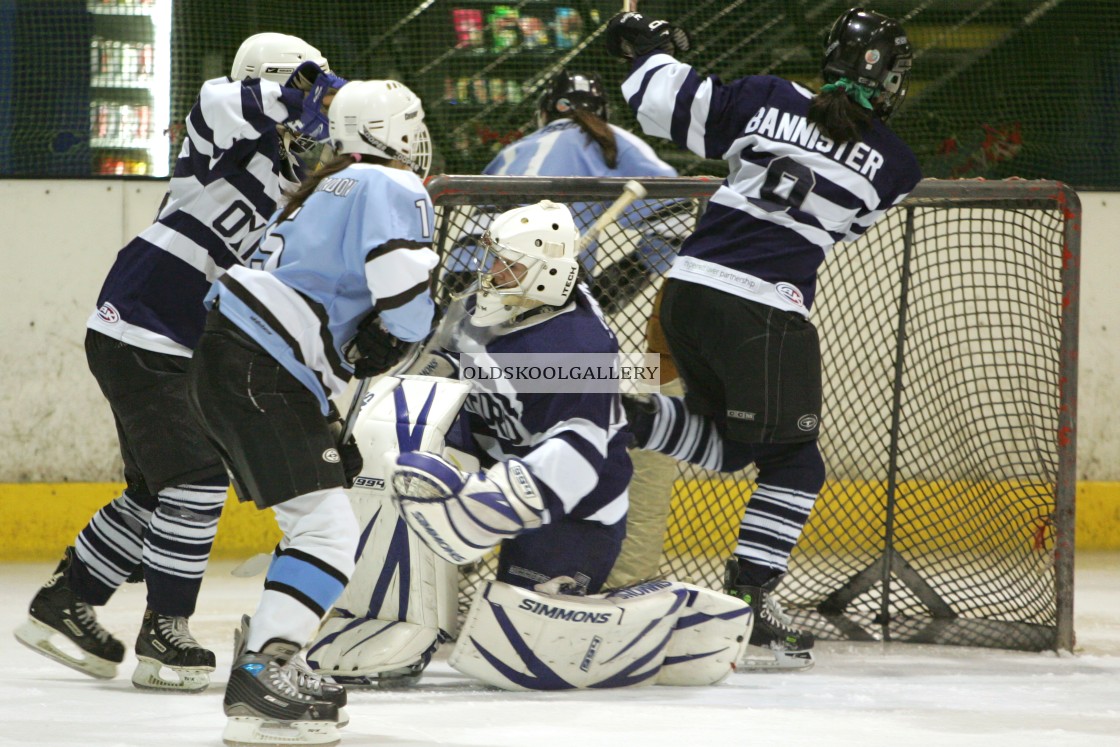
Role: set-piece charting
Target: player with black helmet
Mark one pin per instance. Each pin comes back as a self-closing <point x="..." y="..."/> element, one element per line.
<point x="808" y="171"/>
<point x="575" y="138"/>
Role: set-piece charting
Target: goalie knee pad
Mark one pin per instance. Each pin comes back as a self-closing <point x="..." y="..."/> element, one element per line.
<point x="661" y="632"/>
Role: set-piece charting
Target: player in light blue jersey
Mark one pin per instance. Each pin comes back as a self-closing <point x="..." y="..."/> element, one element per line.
<point x="235" y="163"/>
<point x="574" y="138"/>
<point x="339" y="284"/>
<point x="806" y="171"/>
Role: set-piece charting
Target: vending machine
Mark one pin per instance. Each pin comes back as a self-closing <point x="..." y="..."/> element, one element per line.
<point x="130" y="87"/>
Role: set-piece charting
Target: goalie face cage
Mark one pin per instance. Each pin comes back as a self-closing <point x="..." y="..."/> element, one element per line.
<point x="949" y="343"/>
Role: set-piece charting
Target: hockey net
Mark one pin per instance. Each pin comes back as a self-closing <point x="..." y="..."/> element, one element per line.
<point x="949" y="344"/>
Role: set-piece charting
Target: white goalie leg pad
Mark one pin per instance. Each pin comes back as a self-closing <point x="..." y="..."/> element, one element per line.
<point x="399" y="605"/>
<point x="518" y="639"/>
<point x="402" y="599"/>
<point x="708" y="640"/>
<point x="463" y="515"/>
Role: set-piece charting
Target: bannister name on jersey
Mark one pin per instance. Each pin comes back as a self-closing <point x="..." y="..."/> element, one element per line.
<point x="775" y="124"/>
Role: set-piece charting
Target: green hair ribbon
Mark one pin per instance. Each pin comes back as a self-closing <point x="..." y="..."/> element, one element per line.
<point x="856" y="92"/>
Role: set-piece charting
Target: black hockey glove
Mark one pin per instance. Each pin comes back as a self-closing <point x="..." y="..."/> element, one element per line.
<point x="632" y="35"/>
<point x="373" y="351"/>
<point x="348" y="450"/>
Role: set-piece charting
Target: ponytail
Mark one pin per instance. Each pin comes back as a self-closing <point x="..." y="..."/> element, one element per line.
<point x="842" y="110"/>
<point x="598" y="131"/>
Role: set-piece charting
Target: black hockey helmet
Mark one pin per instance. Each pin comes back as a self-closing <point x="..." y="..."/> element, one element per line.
<point x="871" y="49"/>
<point x="568" y="91"/>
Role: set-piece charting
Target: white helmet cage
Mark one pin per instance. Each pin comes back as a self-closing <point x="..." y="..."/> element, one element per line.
<point x="544" y="241"/>
<point x="272" y="56"/>
<point x="381" y="118"/>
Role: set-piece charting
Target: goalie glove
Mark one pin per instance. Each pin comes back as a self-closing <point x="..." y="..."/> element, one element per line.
<point x="631" y="35"/>
<point x="461" y="516"/>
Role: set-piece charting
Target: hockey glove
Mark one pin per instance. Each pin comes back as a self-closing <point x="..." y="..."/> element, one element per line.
<point x="631" y="35"/>
<point x="373" y="351"/>
<point x="314" y="123"/>
<point x="304" y="76"/>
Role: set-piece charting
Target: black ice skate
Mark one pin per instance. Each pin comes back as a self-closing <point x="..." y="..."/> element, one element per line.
<point x="775" y="645"/>
<point x="264" y="702"/>
<point x="318" y="686"/>
<point x="56" y="611"/>
<point x="169" y="657"/>
<point x="308" y="682"/>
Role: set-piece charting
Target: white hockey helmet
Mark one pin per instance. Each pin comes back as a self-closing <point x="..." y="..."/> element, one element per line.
<point x="381" y="118"/>
<point x="274" y="57"/>
<point x="531" y="261"/>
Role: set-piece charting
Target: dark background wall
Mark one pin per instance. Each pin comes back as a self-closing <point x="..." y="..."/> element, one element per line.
<point x="1002" y="88"/>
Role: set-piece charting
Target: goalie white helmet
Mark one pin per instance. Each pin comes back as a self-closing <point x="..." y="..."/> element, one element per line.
<point x="381" y="118"/>
<point x="531" y="261"/>
<point x="274" y="57"/>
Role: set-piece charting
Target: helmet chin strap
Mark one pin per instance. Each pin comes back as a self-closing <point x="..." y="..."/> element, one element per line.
<point x="392" y="153"/>
<point x="541" y="309"/>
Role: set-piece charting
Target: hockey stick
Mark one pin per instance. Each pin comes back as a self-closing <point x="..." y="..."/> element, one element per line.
<point x="414" y="350"/>
<point x="631" y="191"/>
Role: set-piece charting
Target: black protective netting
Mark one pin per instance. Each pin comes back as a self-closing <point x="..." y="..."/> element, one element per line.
<point x="1000" y="87"/>
<point x="944" y="363"/>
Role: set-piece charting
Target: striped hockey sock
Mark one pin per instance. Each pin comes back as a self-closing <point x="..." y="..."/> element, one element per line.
<point x="177" y="545"/>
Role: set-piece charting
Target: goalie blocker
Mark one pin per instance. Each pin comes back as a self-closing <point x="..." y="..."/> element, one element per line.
<point x="660" y="632"/>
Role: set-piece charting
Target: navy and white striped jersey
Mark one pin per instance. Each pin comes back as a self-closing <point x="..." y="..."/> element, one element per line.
<point x="573" y="443"/>
<point x="360" y="243"/>
<point x="791" y="193"/>
<point x="560" y="148"/>
<point x="228" y="180"/>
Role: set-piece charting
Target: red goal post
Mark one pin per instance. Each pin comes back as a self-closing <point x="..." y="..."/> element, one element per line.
<point x="949" y="343"/>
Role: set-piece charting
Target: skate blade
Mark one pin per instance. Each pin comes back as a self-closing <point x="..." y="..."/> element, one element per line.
<point x="253" y="731"/>
<point x="37" y="637"/>
<point x="153" y="675"/>
<point x="763" y="659"/>
<point x="395" y="679"/>
<point x="254" y="566"/>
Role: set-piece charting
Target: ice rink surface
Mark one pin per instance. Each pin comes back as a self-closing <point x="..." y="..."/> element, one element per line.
<point x="865" y="695"/>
